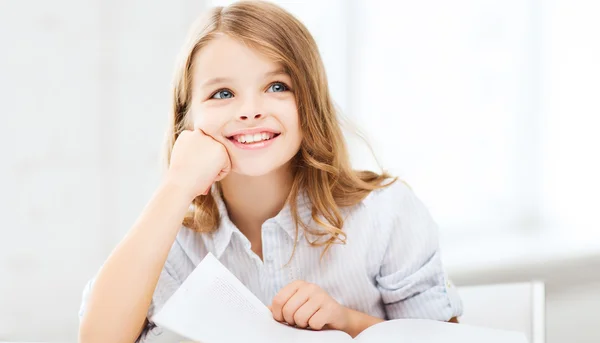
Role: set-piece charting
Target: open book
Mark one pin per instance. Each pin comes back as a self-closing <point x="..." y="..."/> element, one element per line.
<point x="213" y="306"/>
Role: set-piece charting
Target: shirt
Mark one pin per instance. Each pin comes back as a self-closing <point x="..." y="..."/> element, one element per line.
<point x="390" y="266"/>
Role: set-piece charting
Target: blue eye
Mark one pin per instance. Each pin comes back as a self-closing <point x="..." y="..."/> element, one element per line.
<point x="278" y="87"/>
<point x="222" y="94"/>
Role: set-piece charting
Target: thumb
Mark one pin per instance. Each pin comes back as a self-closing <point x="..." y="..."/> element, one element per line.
<point x="225" y="171"/>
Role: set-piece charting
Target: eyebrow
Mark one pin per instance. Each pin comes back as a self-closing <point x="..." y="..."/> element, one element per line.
<point x="217" y="80"/>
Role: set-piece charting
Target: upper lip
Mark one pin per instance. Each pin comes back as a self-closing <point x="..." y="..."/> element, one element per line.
<point x="251" y="131"/>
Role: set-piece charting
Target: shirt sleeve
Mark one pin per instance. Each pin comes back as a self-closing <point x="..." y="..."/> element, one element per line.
<point x="166" y="286"/>
<point x="412" y="280"/>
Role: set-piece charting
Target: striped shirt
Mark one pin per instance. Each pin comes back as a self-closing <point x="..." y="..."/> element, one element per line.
<point x="389" y="268"/>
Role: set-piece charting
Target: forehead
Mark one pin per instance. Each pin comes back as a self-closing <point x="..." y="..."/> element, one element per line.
<point x="228" y="57"/>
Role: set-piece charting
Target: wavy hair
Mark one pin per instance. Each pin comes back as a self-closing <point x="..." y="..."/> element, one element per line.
<point x="322" y="166"/>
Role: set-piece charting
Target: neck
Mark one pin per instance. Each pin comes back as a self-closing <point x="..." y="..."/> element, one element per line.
<point x="251" y="200"/>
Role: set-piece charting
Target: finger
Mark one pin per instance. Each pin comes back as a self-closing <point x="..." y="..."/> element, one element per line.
<point x="295" y="302"/>
<point x="306" y="311"/>
<point x="229" y="163"/>
<point x="227" y="168"/>
<point x="225" y="171"/>
<point x="282" y="297"/>
<point x="207" y="134"/>
<point x="318" y="320"/>
<point x="203" y="132"/>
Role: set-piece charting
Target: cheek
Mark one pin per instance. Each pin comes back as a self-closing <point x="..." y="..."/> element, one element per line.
<point x="288" y="115"/>
<point x="294" y="128"/>
<point x="210" y="120"/>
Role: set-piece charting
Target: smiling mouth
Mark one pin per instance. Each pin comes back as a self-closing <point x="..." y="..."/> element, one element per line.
<point x="253" y="138"/>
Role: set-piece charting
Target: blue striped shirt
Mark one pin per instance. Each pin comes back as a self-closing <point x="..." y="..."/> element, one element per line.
<point x="389" y="268"/>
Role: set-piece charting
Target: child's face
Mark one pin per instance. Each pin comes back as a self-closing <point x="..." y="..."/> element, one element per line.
<point x="242" y="99"/>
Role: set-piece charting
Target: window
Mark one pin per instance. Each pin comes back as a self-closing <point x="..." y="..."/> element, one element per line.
<point x="485" y="108"/>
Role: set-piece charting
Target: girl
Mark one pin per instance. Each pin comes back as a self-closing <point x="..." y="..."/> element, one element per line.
<point x="259" y="176"/>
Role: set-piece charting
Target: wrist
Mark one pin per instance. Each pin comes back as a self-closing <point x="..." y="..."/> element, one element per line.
<point x="343" y="320"/>
<point x="179" y="189"/>
<point x="356" y="322"/>
<point x="346" y="320"/>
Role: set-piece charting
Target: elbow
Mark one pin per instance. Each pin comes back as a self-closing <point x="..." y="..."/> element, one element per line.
<point x="88" y="337"/>
<point x="84" y="335"/>
<point x="87" y="334"/>
<point x="91" y="332"/>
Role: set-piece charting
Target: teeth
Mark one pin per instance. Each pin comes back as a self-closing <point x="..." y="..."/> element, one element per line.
<point x="257" y="137"/>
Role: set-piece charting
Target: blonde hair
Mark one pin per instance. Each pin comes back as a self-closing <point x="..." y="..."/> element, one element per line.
<point x="322" y="165"/>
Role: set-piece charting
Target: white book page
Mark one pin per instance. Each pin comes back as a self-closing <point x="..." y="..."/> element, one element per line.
<point x="213" y="306"/>
<point x="289" y="334"/>
<point x="429" y="331"/>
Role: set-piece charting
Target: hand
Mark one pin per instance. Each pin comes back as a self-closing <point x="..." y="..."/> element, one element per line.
<point x="197" y="161"/>
<point x="305" y="305"/>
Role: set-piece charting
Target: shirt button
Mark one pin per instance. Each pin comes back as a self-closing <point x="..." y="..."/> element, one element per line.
<point x="156" y="331"/>
<point x="269" y="258"/>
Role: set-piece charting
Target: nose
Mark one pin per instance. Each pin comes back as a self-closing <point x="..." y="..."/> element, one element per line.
<point x="245" y="117"/>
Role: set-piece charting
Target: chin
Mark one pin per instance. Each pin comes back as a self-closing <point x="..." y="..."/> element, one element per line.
<point x="254" y="169"/>
<point x="257" y="167"/>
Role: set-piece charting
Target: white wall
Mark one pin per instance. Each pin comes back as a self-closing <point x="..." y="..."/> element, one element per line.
<point x="84" y="95"/>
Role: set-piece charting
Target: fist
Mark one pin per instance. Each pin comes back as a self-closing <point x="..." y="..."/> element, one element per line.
<point x="197" y="161"/>
<point x="306" y="305"/>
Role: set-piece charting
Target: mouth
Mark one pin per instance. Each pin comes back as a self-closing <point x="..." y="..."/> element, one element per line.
<point x="253" y="138"/>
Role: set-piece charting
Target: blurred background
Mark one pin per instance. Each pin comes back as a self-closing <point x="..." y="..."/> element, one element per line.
<point x="489" y="109"/>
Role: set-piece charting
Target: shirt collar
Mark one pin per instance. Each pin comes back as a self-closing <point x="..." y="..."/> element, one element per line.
<point x="283" y="220"/>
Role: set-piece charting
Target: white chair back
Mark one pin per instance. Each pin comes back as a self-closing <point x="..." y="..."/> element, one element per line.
<point x="512" y="306"/>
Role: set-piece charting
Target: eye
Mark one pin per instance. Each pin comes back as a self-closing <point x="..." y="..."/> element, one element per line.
<point x="222" y="94"/>
<point x="278" y="87"/>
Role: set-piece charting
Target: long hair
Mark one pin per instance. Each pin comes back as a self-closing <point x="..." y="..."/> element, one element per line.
<point x="322" y="166"/>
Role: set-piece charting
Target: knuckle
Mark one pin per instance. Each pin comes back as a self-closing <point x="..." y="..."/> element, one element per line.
<point x="315" y="323"/>
<point x="300" y="320"/>
<point x="278" y="301"/>
<point x="320" y="297"/>
<point x="288" y="314"/>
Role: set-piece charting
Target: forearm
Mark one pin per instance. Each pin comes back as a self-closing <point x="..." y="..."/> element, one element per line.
<point x="123" y="289"/>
